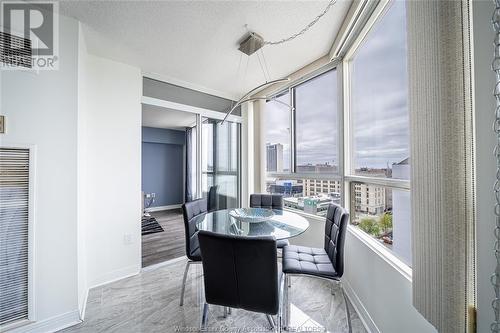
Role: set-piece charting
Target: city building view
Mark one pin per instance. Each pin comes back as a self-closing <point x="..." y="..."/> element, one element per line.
<point x="374" y="206"/>
<point x="274" y="155"/>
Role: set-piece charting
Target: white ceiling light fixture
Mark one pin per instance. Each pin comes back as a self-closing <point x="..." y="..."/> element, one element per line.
<point x="253" y="43"/>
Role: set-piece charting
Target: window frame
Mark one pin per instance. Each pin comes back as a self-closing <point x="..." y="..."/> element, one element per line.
<point x="345" y="174"/>
<point x="378" y="13"/>
<point x="214" y="173"/>
<point x="349" y="177"/>
<point x="290" y="89"/>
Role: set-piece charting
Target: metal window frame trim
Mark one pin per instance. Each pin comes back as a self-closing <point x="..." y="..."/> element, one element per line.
<point x="290" y="89"/>
<point x="309" y="76"/>
<point x="306" y="175"/>
<point x="385" y="182"/>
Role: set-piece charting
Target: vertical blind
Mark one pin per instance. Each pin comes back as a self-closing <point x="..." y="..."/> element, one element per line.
<point x="14" y="199"/>
<point x="443" y="234"/>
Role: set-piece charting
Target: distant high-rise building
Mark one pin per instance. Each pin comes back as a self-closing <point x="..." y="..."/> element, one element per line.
<point x="274" y="153"/>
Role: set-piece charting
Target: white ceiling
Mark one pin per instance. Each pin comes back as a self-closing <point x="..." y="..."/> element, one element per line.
<point x="158" y="117"/>
<point x="197" y="41"/>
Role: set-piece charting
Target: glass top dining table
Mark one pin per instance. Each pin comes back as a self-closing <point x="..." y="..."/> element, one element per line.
<point x="282" y="224"/>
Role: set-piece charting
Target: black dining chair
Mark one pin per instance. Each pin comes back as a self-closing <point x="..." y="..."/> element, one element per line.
<point x="270" y="201"/>
<point x="241" y="272"/>
<point x="323" y="263"/>
<point x="190" y="211"/>
<point x="213" y="198"/>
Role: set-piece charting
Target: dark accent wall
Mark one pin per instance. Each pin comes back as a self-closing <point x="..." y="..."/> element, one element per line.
<point x="161" y="135"/>
<point x="163" y="165"/>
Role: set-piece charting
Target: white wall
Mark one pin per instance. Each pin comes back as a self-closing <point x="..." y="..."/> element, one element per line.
<point x="111" y="144"/>
<point x="485" y="162"/>
<point x="85" y="122"/>
<point x="41" y="110"/>
<point x="382" y="294"/>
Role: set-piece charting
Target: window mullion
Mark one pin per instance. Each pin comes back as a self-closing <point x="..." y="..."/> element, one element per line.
<point x="293" y="153"/>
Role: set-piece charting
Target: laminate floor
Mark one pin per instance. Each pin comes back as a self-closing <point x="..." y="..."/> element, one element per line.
<point x="149" y="302"/>
<point x="166" y="245"/>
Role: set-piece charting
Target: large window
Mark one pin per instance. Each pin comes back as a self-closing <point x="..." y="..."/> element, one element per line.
<point x="220" y="166"/>
<point x="379" y="97"/>
<point x="378" y="158"/>
<point x="302" y="146"/>
<point x="359" y="157"/>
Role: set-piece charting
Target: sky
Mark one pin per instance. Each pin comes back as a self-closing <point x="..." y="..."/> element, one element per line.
<point x="317" y="120"/>
<point x="379" y="106"/>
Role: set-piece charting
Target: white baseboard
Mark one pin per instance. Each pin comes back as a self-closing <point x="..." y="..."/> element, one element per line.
<point x="363" y="314"/>
<point x="83" y="305"/>
<point x="115" y="275"/>
<point x="50" y="325"/>
<point x="159" y="208"/>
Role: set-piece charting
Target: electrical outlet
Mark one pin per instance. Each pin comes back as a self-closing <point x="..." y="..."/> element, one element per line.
<point x="127" y="239"/>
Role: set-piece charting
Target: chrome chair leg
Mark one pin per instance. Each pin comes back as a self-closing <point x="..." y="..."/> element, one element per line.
<point x="284" y="302"/>
<point x="334" y="284"/>
<point x="229" y="310"/>
<point x="286" y="314"/>
<point x="204" y="318"/>
<point x="186" y="269"/>
<point x="225" y="312"/>
<point x="279" y="317"/>
<point x="271" y="321"/>
<point x="346" y="308"/>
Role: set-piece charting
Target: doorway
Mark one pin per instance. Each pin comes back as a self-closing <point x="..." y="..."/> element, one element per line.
<point x="184" y="154"/>
<point x="163" y="182"/>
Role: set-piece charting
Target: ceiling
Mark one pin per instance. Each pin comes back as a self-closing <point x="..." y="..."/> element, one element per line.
<point x="196" y="42"/>
<point x="159" y="117"/>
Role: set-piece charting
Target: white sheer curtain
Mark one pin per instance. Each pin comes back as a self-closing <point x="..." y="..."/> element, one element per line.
<point x="442" y="156"/>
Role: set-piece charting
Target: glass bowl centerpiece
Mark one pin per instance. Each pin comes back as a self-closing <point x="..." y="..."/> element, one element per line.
<point x="251" y="215"/>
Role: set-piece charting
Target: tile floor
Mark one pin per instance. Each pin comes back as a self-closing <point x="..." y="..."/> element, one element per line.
<point x="149" y="302"/>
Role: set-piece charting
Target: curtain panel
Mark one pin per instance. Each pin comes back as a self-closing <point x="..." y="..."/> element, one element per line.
<point x="440" y="104"/>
